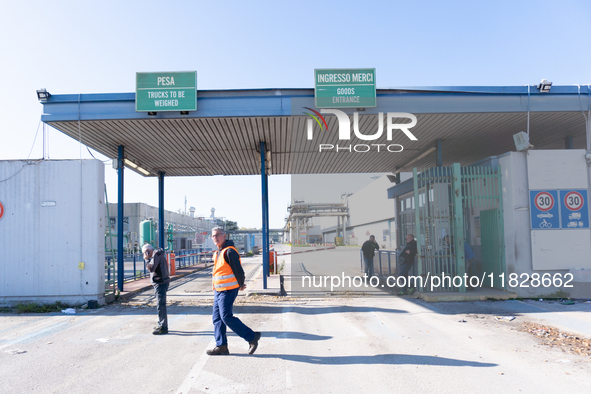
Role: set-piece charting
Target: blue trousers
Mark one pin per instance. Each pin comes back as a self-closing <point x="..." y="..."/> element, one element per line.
<point x="222" y="317"/>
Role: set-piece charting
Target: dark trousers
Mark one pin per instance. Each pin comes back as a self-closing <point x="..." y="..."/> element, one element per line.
<point x="368" y="266"/>
<point x="403" y="267"/>
<point x="160" y="290"/>
<point x="222" y="317"/>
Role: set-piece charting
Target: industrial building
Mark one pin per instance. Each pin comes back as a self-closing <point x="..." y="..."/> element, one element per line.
<point x="186" y="230"/>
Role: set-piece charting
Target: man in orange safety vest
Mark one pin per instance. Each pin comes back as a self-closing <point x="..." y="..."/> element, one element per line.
<point x="228" y="279"/>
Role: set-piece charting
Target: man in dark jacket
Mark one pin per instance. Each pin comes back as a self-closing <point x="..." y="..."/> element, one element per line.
<point x="368" y="248"/>
<point x="228" y="279"/>
<point x="407" y="259"/>
<point x="160" y="278"/>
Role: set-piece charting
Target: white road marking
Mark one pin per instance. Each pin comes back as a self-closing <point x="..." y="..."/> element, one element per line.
<point x="195" y="371"/>
<point x="32" y="335"/>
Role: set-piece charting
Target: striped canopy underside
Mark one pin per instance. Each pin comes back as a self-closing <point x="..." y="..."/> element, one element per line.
<point x="230" y="145"/>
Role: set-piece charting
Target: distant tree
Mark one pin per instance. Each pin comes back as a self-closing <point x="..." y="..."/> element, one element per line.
<point x="231" y="226"/>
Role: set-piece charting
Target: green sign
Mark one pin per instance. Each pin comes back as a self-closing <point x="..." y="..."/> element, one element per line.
<point x="166" y="91"/>
<point x="345" y="88"/>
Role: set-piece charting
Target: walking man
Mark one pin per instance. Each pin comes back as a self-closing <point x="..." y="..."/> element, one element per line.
<point x="228" y="279"/>
<point x="368" y="248"/>
<point x="159" y="277"/>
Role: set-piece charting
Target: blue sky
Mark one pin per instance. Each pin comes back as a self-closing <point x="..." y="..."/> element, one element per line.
<point x="88" y="47"/>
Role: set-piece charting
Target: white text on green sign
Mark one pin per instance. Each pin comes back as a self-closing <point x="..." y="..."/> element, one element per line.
<point x="345" y="88"/>
<point x="166" y="91"/>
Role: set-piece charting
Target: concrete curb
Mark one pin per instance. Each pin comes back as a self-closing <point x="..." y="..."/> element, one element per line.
<point x="252" y="288"/>
<point x="306" y="251"/>
<point x="439" y="297"/>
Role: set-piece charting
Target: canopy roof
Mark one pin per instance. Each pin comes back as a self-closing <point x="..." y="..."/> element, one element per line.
<point x="223" y="136"/>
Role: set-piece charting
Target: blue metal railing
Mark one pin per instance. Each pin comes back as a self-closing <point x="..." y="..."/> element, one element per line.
<point x="135" y="266"/>
<point x="186" y="258"/>
<point x="384" y="262"/>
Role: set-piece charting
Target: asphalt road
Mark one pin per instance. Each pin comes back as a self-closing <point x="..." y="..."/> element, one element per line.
<point x="331" y="272"/>
<point x="366" y="344"/>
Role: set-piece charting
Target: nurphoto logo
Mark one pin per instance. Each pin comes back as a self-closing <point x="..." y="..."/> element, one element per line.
<point x="345" y="130"/>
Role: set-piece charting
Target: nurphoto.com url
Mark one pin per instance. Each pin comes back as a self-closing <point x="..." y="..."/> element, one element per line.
<point x="438" y="281"/>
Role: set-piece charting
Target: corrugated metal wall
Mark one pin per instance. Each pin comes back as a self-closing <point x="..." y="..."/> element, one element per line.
<point x="54" y="220"/>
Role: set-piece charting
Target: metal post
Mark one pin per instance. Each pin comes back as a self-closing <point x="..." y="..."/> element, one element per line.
<point x="161" y="209"/>
<point x="458" y="223"/>
<point x="439" y="162"/>
<point x="120" y="264"/>
<point x="265" y="199"/>
<point x="417" y="225"/>
<point x="389" y="263"/>
<point x="568" y="143"/>
<point x="501" y="222"/>
<point x="361" y="258"/>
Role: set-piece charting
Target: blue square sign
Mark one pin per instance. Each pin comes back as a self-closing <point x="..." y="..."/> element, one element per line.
<point x="574" y="209"/>
<point x="544" y="209"/>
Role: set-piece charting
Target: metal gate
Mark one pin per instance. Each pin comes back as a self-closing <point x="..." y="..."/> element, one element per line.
<point x="450" y="205"/>
<point x="492" y="250"/>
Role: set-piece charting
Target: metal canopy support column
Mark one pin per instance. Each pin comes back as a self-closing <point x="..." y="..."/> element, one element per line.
<point x="161" y="209"/>
<point x="439" y="162"/>
<point x="120" y="263"/>
<point x="265" y="198"/>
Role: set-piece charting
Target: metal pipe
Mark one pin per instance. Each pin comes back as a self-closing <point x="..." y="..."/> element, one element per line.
<point x="528" y="93"/>
<point x="439" y="154"/>
<point x="418" y="225"/>
<point x="458" y="219"/>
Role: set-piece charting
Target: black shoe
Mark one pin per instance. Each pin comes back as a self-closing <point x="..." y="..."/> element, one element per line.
<point x="160" y="331"/>
<point x="218" y="350"/>
<point x="254" y="343"/>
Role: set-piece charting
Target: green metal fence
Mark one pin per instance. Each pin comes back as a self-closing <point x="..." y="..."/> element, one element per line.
<point x="453" y="206"/>
<point x="483" y="199"/>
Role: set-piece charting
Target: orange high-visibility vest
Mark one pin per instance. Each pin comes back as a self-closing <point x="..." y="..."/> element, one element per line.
<point x="223" y="276"/>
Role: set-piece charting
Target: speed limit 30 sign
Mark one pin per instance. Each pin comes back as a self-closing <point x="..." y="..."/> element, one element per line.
<point x="544" y="201"/>
<point x="574" y="209"/>
<point x="574" y="200"/>
<point x="544" y="209"/>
